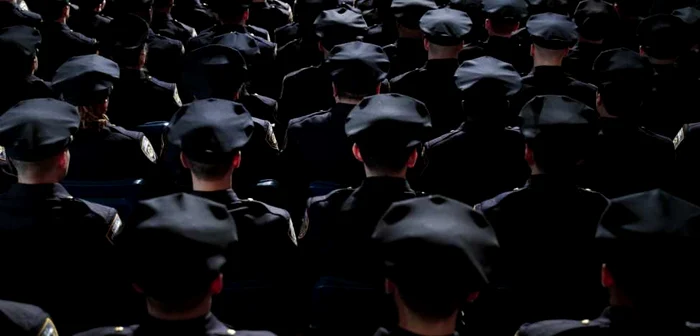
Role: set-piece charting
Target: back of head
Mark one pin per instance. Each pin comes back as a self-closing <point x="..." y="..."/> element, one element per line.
<point x="140" y="8"/>
<point x="127" y="40"/>
<point x="357" y="68"/>
<point x="650" y="245"/>
<point x="559" y="131"/>
<point x="624" y="79"/>
<point x="552" y="31"/>
<point x="595" y="19"/>
<point x="176" y="246"/>
<point x="18" y="49"/>
<point x="229" y="10"/>
<point x="213" y="71"/>
<point x="487" y="85"/>
<point x="445" y="27"/>
<point x="504" y="15"/>
<point x="549" y="6"/>
<point x="662" y="37"/>
<point x="387" y="128"/>
<point x="436" y="251"/>
<point x="409" y="12"/>
<point x="338" y="26"/>
<point x="306" y="11"/>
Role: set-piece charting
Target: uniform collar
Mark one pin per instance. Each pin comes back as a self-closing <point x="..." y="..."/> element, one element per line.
<point x="39" y="191"/>
<point x="627" y="318"/>
<point x="449" y="65"/>
<point x="227" y="196"/>
<point x="548" y="71"/>
<point x="409" y="43"/>
<point x="340" y="111"/>
<point x="550" y="181"/>
<point x="384" y="184"/>
<point x="205" y="325"/>
<point x="131" y="73"/>
<point x="401" y="332"/>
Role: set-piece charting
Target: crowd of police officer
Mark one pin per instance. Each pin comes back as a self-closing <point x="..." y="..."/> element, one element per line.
<point x="419" y="167"/>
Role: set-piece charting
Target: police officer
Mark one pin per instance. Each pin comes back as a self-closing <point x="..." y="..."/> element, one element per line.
<point x="595" y="20"/>
<point x="211" y="134"/>
<point x="673" y="100"/>
<point x="69" y="235"/>
<point x="217" y="71"/>
<point x="194" y="14"/>
<point x="89" y="20"/>
<point x="552" y="36"/>
<point x="645" y="248"/>
<point x="631" y="13"/>
<point x="100" y="148"/>
<point x="502" y="21"/>
<point x="558" y="132"/>
<point x="19" y="46"/>
<point x="445" y="30"/>
<point x="12" y="15"/>
<point x="486" y="86"/>
<point x="270" y="15"/>
<point x="164" y="24"/>
<point x="623" y="145"/>
<point x="25" y="320"/>
<point x="137" y="97"/>
<point x="386" y="131"/>
<point x="684" y="177"/>
<point x="408" y="52"/>
<point x="563" y="7"/>
<point x="59" y="42"/>
<point x="317" y="148"/>
<point x="309" y="89"/>
<point x="437" y="254"/>
<point x="175" y="252"/>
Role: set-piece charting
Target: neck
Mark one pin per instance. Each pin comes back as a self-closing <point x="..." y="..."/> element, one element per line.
<point x="48" y="179"/>
<point x="349" y="101"/>
<point x="442" y="56"/>
<point x="535" y="170"/>
<point x="376" y="173"/>
<point x="420" y="326"/>
<point x="61" y="20"/>
<point x="161" y="312"/>
<point x="492" y="33"/>
<point x="661" y="62"/>
<point x="218" y="185"/>
<point x="240" y="22"/>
<point x="583" y="40"/>
<point x="410" y="33"/>
<point x="547" y="62"/>
<point x="603" y="112"/>
<point x="162" y="11"/>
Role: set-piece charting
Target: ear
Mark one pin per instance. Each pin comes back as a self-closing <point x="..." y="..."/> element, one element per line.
<point x="598" y="100"/>
<point x="379" y="88"/>
<point x="426" y="44"/>
<point x="237" y="160"/>
<point x="35" y="64"/>
<point x="532" y="50"/>
<point x="606" y="278"/>
<point x="529" y="156"/>
<point x="641" y="51"/>
<point x="246" y="15"/>
<point x="472" y="297"/>
<point x="66" y="11"/>
<point x="184" y="161"/>
<point x="356" y="153"/>
<point x="64" y="159"/>
<point x="487" y="24"/>
<point x="320" y="47"/>
<point x="335" y="90"/>
<point x="137" y="288"/>
<point x="217" y="285"/>
<point x="389" y="286"/>
<point x="412" y="159"/>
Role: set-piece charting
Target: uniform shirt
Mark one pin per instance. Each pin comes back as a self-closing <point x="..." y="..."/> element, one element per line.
<point x="59" y="43"/>
<point x="405" y="54"/>
<point x="434" y="85"/>
<point x="628" y="159"/>
<point x="286" y="34"/>
<point x="579" y="62"/>
<point x="305" y="91"/>
<point x="29" y="88"/>
<point x="208" y="325"/>
<point x="70" y="239"/>
<point x="615" y="321"/>
<point x="297" y="54"/>
<point x="12" y="15"/>
<point x="139" y="98"/>
<point x="90" y="24"/>
<point x="165" y="56"/>
<point x="23" y="319"/>
<point x="265" y="257"/>
<point x="546" y="232"/>
<point x="165" y="25"/>
<point x="551" y="80"/>
<point x="111" y="153"/>
<point x="506" y="49"/>
<point x="498" y="151"/>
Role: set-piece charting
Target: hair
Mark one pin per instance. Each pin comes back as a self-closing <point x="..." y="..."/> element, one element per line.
<point x="93" y="116"/>
<point x="43" y="167"/>
<point x="432" y="301"/>
<point x="503" y="26"/>
<point x="622" y="99"/>
<point x="560" y="151"/>
<point x="444" y="51"/>
<point x="549" y="54"/>
<point x="210" y="171"/>
<point x="385" y="157"/>
<point x="356" y="90"/>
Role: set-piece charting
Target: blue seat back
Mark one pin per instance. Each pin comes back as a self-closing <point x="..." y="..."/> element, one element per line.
<point x="153" y="131"/>
<point x="320" y="188"/>
<point x="121" y="195"/>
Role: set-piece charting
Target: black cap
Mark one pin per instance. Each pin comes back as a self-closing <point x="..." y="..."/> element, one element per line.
<point x="552" y="31"/>
<point x="622" y="65"/>
<point x="128" y="32"/>
<point x="211" y="130"/>
<point x="306" y="11"/>
<point x="558" y="113"/>
<point x="595" y="19"/>
<point x="506" y="9"/>
<point x="691" y="17"/>
<point x="390" y="119"/>
<point x="548" y="6"/>
<point x="446" y="26"/>
<point x="467" y="6"/>
<point x="177" y="244"/>
<point x="211" y="71"/>
<point x="18" y="44"/>
<point x="83" y="80"/>
<point x="436" y="241"/>
<point x="662" y="36"/>
<point x="134" y="6"/>
<point x="341" y="25"/>
<point x="243" y="43"/>
<point x="409" y="12"/>
<point x="358" y="65"/>
<point x="37" y="129"/>
<point x="489" y="77"/>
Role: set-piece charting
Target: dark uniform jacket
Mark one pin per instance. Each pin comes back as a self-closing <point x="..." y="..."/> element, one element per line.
<point x="66" y="241"/>
<point x="264" y="262"/>
<point x="111" y="153"/>
<point x="24" y="320"/>
<point x="90" y="24"/>
<point x="615" y="321"/>
<point x="434" y="85"/>
<point x="298" y="54"/>
<point x="206" y="36"/>
<point x="286" y="34"/>
<point x="305" y="91"/>
<point x="270" y="14"/>
<point x="12" y="15"/>
<point x="29" y="88"/>
<point x="552" y="80"/>
<point x="164" y="57"/>
<point x="260" y="107"/>
<point x="673" y="101"/>
<point x="579" y="62"/>
<point x="58" y="44"/>
<point x="194" y="14"/>
<point x="316" y="150"/>
<point x="398" y="332"/>
<point x="405" y="55"/>
<point x="628" y="159"/>
<point x="506" y="49"/>
<point x="139" y="98"/>
<point x="475" y="162"/>
<point x="208" y="325"/>
<point x="546" y="232"/>
<point x="165" y="25"/>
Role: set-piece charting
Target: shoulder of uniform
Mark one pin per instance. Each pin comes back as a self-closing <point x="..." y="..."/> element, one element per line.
<point x="129" y="134"/>
<point x="298" y="122"/>
<point x="161" y="84"/>
<point x="297" y="73"/>
<point x="598" y="197"/>
<point x="265" y="100"/>
<point x="444" y="138"/>
<point x="260" y="208"/>
<point x="488" y="204"/>
<point x="333" y="196"/>
<point x="557" y="327"/>
<point x="29" y="316"/>
<point x="109" y="331"/>
<point x="258" y="29"/>
<point x="405" y="76"/>
<point x="32" y="16"/>
<point x="82" y="38"/>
